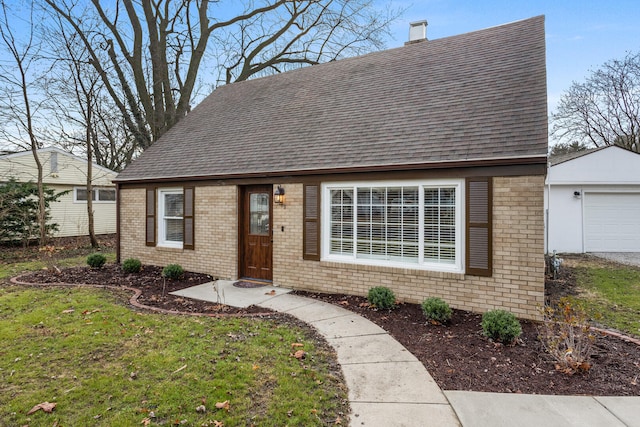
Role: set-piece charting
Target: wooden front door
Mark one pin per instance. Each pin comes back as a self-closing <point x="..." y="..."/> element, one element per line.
<point x="256" y="232"/>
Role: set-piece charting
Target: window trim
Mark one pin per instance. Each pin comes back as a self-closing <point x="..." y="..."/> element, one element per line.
<point x="160" y="218"/>
<point x="95" y="192"/>
<point x="456" y="267"/>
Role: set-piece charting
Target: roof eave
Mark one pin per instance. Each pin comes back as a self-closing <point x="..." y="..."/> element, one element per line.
<point x="506" y="161"/>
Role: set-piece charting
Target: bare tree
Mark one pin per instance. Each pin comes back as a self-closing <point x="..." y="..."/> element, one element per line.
<point x="604" y="110"/>
<point x="84" y="86"/>
<point x="564" y="148"/>
<point x="75" y="87"/>
<point x="155" y="49"/>
<point x="17" y="102"/>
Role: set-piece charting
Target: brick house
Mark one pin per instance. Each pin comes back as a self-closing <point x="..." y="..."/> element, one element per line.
<point x="419" y="168"/>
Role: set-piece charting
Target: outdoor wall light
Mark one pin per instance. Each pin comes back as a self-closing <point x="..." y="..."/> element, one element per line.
<point x="576" y="194"/>
<point x="278" y="196"/>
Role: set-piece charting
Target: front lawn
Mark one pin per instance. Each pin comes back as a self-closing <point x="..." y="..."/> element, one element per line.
<point x="104" y="364"/>
<point x="609" y="292"/>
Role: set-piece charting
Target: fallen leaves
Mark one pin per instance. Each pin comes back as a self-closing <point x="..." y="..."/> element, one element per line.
<point x="44" y="406"/>
<point x="223" y="405"/>
<point x="300" y="354"/>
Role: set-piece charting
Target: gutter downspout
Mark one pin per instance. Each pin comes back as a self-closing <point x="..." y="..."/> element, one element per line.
<point x="117" y="223"/>
<point x="548" y="207"/>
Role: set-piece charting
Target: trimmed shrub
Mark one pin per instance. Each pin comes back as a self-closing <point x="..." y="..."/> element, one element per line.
<point x="436" y="310"/>
<point x="381" y="297"/>
<point x="172" y="271"/>
<point x="96" y="260"/>
<point x="501" y="326"/>
<point x="131" y="265"/>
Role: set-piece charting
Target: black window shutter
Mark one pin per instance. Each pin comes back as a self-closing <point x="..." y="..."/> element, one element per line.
<point x="188" y="218"/>
<point x="311" y="222"/>
<point x="479" y="230"/>
<point x="150" y="218"/>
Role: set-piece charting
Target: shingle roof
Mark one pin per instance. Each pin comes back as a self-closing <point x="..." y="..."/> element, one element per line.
<point x="474" y="97"/>
<point x="575" y="155"/>
<point x="556" y="160"/>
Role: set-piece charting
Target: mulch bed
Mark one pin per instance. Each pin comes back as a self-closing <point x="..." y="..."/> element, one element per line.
<point x="456" y="355"/>
<point x="459" y="357"/>
<point x="155" y="289"/>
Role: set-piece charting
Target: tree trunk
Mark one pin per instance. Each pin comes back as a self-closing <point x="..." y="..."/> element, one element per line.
<point x="92" y="234"/>
<point x="42" y="208"/>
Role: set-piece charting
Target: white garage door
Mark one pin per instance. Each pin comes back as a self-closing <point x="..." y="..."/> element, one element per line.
<point x="612" y="222"/>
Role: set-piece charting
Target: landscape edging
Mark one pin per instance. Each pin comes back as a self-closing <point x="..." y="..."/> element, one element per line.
<point x="134" y="299"/>
<point x="137" y="293"/>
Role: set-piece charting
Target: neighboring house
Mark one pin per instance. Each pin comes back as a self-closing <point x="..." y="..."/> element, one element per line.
<point x="65" y="172"/>
<point x="592" y="201"/>
<point x="419" y="168"/>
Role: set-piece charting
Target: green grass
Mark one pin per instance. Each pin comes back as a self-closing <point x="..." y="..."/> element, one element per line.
<point x="107" y="365"/>
<point x="611" y="294"/>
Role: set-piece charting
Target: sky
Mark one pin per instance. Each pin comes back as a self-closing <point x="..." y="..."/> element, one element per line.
<point x="580" y="35"/>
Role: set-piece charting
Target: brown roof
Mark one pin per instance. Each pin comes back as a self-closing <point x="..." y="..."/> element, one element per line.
<point x="472" y="98"/>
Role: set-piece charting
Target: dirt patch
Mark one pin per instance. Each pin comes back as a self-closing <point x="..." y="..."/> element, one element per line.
<point x="456" y="355"/>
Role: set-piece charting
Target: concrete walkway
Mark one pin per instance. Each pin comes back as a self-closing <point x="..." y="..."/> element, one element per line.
<point x="388" y="386"/>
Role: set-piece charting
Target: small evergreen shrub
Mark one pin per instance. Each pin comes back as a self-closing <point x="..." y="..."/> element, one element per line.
<point x="501" y="326"/>
<point x="436" y="310"/>
<point x="96" y="260"/>
<point x="172" y="271"/>
<point x="131" y="265"/>
<point x="381" y="297"/>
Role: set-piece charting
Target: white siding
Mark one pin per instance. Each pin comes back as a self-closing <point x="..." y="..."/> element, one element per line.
<point x="612" y="165"/>
<point x="564" y="220"/>
<point x="72" y="217"/>
<point x="71" y="172"/>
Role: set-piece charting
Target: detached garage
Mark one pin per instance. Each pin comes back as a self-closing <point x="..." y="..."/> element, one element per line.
<point x="592" y="202"/>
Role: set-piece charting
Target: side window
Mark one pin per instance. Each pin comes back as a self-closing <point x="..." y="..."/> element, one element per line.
<point x="80" y="194"/>
<point x="100" y="195"/>
<point x="170" y="212"/>
<point x="171" y="217"/>
<point x="105" y="194"/>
